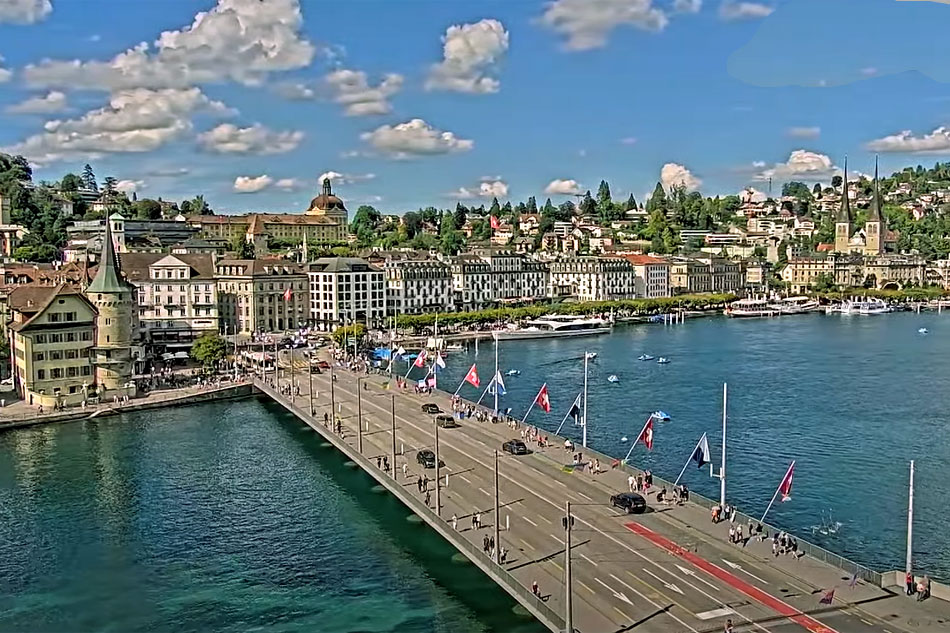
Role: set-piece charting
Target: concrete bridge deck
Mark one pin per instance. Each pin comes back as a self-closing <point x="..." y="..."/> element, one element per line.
<point x="668" y="570"/>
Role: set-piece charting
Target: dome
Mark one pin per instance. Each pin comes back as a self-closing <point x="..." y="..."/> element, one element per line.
<point x="326" y="201"/>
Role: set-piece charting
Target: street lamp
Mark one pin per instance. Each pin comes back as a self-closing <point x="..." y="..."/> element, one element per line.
<point x="359" y="417"/>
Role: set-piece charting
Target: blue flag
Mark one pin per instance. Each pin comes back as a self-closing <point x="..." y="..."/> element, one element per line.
<point x="701" y="454"/>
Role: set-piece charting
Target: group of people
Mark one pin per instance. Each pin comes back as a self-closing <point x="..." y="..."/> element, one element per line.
<point x="532" y="434"/>
<point x="641" y="482"/>
<point x="921" y="587"/>
<point x="678" y="496"/>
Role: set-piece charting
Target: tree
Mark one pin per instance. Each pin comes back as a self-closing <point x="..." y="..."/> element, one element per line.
<point x="495" y="209"/>
<point x="147" y="209"/>
<point x="631" y="204"/>
<point x="108" y="186"/>
<point x="209" y="349"/>
<point x="521" y="209"/>
<point x="657" y="201"/>
<point x="70" y="182"/>
<point x="796" y="189"/>
<point x="533" y="205"/>
<point x="824" y="282"/>
<point x="198" y="206"/>
<point x="816" y="191"/>
<point x="549" y="208"/>
<point x="506" y="210"/>
<point x="450" y="240"/>
<point x="603" y="194"/>
<point x="89" y="178"/>
<point x="365" y="224"/>
<point x="242" y="248"/>
<point x="565" y="211"/>
<point x="341" y="335"/>
<point x="587" y="205"/>
<point x="461" y="214"/>
<point x="835" y="182"/>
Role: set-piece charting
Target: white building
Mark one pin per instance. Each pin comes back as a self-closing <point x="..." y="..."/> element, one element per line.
<point x="593" y="278"/>
<point x="653" y="276"/>
<point x="486" y="277"/>
<point x="417" y="287"/>
<point x="344" y="290"/>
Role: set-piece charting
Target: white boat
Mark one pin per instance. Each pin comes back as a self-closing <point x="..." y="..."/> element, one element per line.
<point x="454" y="347"/>
<point x="513" y="372"/>
<point x="662" y="360"/>
<point x="795" y="305"/>
<point x="865" y="306"/>
<point x="591" y="355"/>
<point x="613" y="378"/>
<point x="922" y="330"/>
<point x="645" y="357"/>
<point x="661" y="416"/>
<point x="554" y="326"/>
<point x="751" y="308"/>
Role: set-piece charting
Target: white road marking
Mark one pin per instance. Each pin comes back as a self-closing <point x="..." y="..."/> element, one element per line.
<point x="715" y="613"/>
<point x="589" y="560"/>
<point x="485" y="492"/>
<point x="668" y="585"/>
<point x="556" y="539"/>
<point x="690" y="572"/>
<point x="656" y="605"/>
<point x="617" y="594"/>
<point x="738" y="567"/>
<point x="465" y="479"/>
<point x="585" y="496"/>
<point x="530" y="521"/>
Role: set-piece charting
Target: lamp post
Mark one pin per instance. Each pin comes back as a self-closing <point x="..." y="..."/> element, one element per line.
<point x="359" y="417"/>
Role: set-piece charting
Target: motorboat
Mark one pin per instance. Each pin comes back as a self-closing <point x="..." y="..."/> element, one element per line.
<point x="455" y="347"/>
<point x="591" y="355"/>
<point x="613" y="378"/>
<point x="661" y="416"/>
<point x="865" y="306"/>
<point x="554" y="326"/>
<point x="645" y="357"/>
<point x="513" y="372"/>
<point x="662" y="360"/>
<point x="795" y="305"/>
<point x="751" y="308"/>
<point x="922" y="330"/>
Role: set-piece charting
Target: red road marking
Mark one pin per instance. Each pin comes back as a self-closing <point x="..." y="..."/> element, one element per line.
<point x="753" y="592"/>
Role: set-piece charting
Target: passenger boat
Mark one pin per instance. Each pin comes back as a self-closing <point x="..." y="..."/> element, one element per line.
<point x="554" y="326"/>
<point x="751" y="308"/>
<point x="513" y="372"/>
<point x="645" y="357"/>
<point x="454" y="347"/>
<point x="591" y="355"/>
<point x="865" y="306"/>
<point x="796" y="305"/>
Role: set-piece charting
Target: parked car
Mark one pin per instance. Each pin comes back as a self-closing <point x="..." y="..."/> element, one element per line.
<point x="426" y="458"/>
<point x="446" y="421"/>
<point x="515" y="447"/>
<point x="431" y="408"/>
<point x="629" y="502"/>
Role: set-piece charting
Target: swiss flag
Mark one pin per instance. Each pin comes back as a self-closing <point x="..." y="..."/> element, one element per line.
<point x="647" y="435"/>
<point x="288" y="294"/>
<point x="543" y="400"/>
<point x="786" y="486"/>
<point x="472" y="377"/>
<point x="495" y="222"/>
<point x="421" y="360"/>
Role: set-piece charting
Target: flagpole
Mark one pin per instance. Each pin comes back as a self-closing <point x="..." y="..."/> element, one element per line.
<point x="413" y="364"/>
<point x="636" y="441"/>
<point x="496" y="375"/>
<point x="532" y="402"/>
<point x="790" y="467"/>
<point x="566" y="415"/>
<point x="722" y="467"/>
<point x="463" y="381"/>
<point x="910" y="520"/>
<point x="484" y="393"/>
<point x="584" y="436"/>
<point x="688" y="461"/>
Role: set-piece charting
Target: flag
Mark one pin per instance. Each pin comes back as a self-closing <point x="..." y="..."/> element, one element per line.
<point x="288" y="294"/>
<point x="567" y="468"/>
<point x="575" y="410"/>
<point x="439" y="361"/>
<point x="472" y="377"/>
<point x="495" y="222"/>
<point x="786" y="486"/>
<point x="401" y="351"/>
<point x="701" y="454"/>
<point x="542" y="399"/>
<point x="828" y="597"/>
<point x="420" y="359"/>
<point x="647" y="435"/>
<point x="499" y="384"/>
<point x="430" y="382"/>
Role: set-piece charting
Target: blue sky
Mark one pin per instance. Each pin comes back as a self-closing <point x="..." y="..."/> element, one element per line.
<point x="253" y="102"/>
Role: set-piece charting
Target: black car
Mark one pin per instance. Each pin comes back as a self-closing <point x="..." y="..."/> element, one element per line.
<point x="426" y="458"/>
<point x="630" y="502"/>
<point x="446" y="421"/>
<point x="515" y="447"/>
<point x="428" y="407"/>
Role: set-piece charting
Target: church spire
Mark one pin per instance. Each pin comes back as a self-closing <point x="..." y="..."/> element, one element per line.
<point x="874" y="215"/>
<point x="844" y="212"/>
<point x="108" y="278"/>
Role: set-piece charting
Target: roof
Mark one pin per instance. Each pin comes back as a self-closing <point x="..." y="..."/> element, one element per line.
<point x="251" y="267"/>
<point x="33" y="300"/>
<point x="642" y="260"/>
<point x="327" y="201"/>
<point x="341" y="265"/>
<point x="109" y="276"/>
<point x="844" y="211"/>
<point x="135" y="265"/>
<point x="874" y="214"/>
<point x="825" y="247"/>
<point x="257" y="222"/>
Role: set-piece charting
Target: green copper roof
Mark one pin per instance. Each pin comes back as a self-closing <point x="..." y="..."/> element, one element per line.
<point x="108" y="278"/>
<point x="874" y="215"/>
<point x="844" y="213"/>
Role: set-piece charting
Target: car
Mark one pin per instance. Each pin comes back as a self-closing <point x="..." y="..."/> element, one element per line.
<point x="629" y="502"/>
<point x="427" y="458"/>
<point x="446" y="421"/>
<point x="515" y="447"/>
<point x="323" y="364"/>
<point x="433" y="409"/>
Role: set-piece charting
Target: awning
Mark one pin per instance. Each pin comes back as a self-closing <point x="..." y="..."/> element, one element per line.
<point x="168" y="356"/>
<point x="181" y="355"/>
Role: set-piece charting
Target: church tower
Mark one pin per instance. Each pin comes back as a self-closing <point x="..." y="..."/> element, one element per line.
<point x="114" y="299"/>
<point x="843" y="217"/>
<point x="873" y="229"/>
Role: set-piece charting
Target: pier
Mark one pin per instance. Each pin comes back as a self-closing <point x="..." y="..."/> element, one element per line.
<point x="669" y="569"/>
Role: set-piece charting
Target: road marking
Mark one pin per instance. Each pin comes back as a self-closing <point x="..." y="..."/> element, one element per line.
<point x="617" y="594"/>
<point x="715" y="613"/>
<point x="655" y="604"/>
<point x="585" y="496"/>
<point x="690" y="572"/>
<point x="866" y="622"/>
<point x="581" y="583"/>
<point x="485" y="492"/>
<point x="624" y="615"/>
<point x="465" y="479"/>
<point x="530" y="521"/>
<point x="589" y="560"/>
<point x="732" y="580"/>
<point x="558" y="566"/>
<point x="545" y="519"/>
<point x="668" y="585"/>
<point x="556" y="539"/>
<point x="526" y="544"/>
<point x="738" y="567"/>
<point x="560" y="483"/>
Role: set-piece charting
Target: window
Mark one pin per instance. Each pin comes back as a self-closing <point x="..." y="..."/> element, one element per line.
<point x="39" y="356"/>
<point x="85" y="336"/>
<point x="54" y="317"/>
<point x="70" y="337"/>
<point x="86" y="370"/>
<point x="39" y="338"/>
<point x="71" y="354"/>
<point x="70" y="316"/>
<point x="55" y="338"/>
<point x="56" y="372"/>
<point x="41" y="374"/>
<point x="70" y="372"/>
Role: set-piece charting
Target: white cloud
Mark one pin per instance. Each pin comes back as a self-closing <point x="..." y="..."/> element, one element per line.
<point x="352" y="90"/>
<point x="561" y="187"/>
<point x="24" y="11"/>
<point x="129" y="186"/>
<point x="731" y="10"/>
<point x="240" y="40"/>
<point x="5" y="75"/>
<point x="804" y="132"/>
<point x="251" y="184"/>
<point x="588" y="23"/>
<point x="167" y="172"/>
<point x="491" y="188"/>
<point x="936" y="142"/>
<point x="415" y="138"/>
<point x="257" y="139"/>
<point x="687" y="6"/>
<point x="51" y="103"/>
<point x="628" y="140"/>
<point x="343" y="179"/>
<point x="134" y="121"/>
<point x="870" y="71"/>
<point x="289" y="184"/>
<point x="801" y="165"/>
<point x="674" y="175"/>
<point x="295" y="91"/>
<point x="752" y="195"/>
<point x="471" y="53"/>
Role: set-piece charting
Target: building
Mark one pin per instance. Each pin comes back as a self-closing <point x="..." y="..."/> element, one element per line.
<point x="689" y="276"/>
<point x="725" y="274"/>
<point x="262" y="229"/>
<point x="418" y="287"/>
<point x="653" y="276"/>
<point x="757" y="274"/>
<point x="487" y="277"/>
<point x="346" y="290"/>
<point x="328" y="206"/>
<point x="593" y="278"/>
<point x="52" y="336"/>
<point x="10" y="234"/>
<point x="260" y="295"/>
<point x="177" y="298"/>
<point x="871" y="240"/>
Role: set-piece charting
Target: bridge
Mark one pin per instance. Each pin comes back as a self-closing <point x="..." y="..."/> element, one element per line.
<point x="667" y="570"/>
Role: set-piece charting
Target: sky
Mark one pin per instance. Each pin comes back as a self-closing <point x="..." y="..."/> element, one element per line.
<point x="411" y="103"/>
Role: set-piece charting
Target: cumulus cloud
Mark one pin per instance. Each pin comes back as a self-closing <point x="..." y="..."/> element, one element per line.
<point x="352" y="90"/>
<point x="289" y="184"/>
<point x="687" y="6"/>
<point x="257" y="139"/>
<point x="801" y="165"/>
<point x="137" y="120"/>
<point x="732" y="10"/>
<point x="752" y="195"/>
<point x="24" y="11"/>
<point x="936" y="142"/>
<point x="674" y="175"/>
<point x="344" y="179"/>
<point x="295" y="91"/>
<point x="587" y="23"/>
<point x="51" y="103"/>
<point x="488" y="188"/>
<point x="239" y="40"/>
<point x="471" y="53"/>
<point x="129" y="186"/>
<point x="563" y="187"/>
<point x="252" y="184"/>
<point x="415" y="138"/>
<point x="804" y="132"/>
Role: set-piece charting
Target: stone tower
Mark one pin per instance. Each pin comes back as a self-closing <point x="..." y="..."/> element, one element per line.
<point x="114" y="299"/>
<point x="843" y="217"/>
<point x="874" y="227"/>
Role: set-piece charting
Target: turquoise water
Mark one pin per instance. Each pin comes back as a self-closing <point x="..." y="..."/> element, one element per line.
<point x="227" y="516"/>
<point x="852" y="399"/>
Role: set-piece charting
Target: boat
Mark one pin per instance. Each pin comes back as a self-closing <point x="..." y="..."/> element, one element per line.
<point x="513" y="372"/>
<point x="661" y="416"/>
<point x="662" y="361"/>
<point x="613" y="378"/>
<point x="591" y="355"/>
<point x="751" y="308"/>
<point x="455" y="347"/>
<point x="554" y="326"/>
<point x="795" y="305"/>
<point x="922" y="330"/>
<point x="865" y="306"/>
<point x="645" y="357"/>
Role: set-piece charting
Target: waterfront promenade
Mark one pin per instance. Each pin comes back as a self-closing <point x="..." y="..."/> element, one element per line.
<point x="667" y="570"/>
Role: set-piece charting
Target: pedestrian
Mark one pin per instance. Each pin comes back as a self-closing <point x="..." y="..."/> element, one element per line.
<point x="739" y="538"/>
<point x="534" y="589"/>
<point x="491" y="543"/>
<point x="630" y="481"/>
<point x="478" y="520"/>
<point x="909" y="581"/>
<point x="379" y="462"/>
<point x="455" y="521"/>
<point x="427" y="498"/>
<point x="474" y="522"/>
<point x="386" y="464"/>
<point x="503" y="556"/>
<point x="485" y="544"/>
<point x="425" y="483"/>
<point x="405" y="470"/>
<point x="419" y="483"/>
<point x="729" y="628"/>
<point x="775" y="547"/>
<point x="732" y="534"/>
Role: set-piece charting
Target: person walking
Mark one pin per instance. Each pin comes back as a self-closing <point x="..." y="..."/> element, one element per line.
<point x="455" y="522"/>
<point x="729" y="628"/>
<point x="427" y="498"/>
<point x="405" y="470"/>
<point x="534" y="589"/>
<point x="478" y="520"/>
<point x="732" y="534"/>
<point x="909" y="582"/>
<point x="631" y="480"/>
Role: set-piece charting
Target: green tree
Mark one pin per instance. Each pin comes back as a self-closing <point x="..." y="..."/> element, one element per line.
<point x="341" y="335"/>
<point x="461" y="214"/>
<point x="657" y="201"/>
<point x="533" y="205"/>
<point x="603" y="194"/>
<point x="89" y="178"/>
<point x="587" y="205"/>
<point x="413" y="223"/>
<point x="816" y="191"/>
<point x="70" y="182"/>
<point x="108" y="186"/>
<point x="209" y="349"/>
<point x="450" y="240"/>
<point x="199" y="206"/>
<point x="147" y="209"/>
<point x="796" y="189"/>
<point x="835" y="182"/>
<point x="824" y="282"/>
<point x="631" y="204"/>
<point x="365" y="224"/>
<point x="495" y="208"/>
<point x="242" y="248"/>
